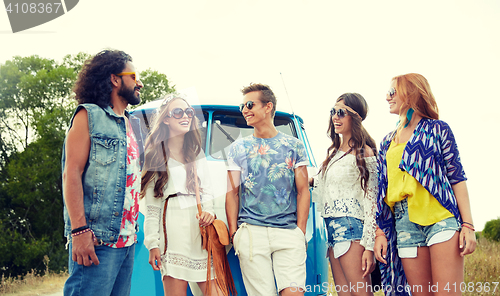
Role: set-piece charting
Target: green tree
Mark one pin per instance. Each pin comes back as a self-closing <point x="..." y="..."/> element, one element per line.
<point x="492" y="230"/>
<point x="35" y="109"/>
<point x="156" y="85"/>
<point x="36" y="105"/>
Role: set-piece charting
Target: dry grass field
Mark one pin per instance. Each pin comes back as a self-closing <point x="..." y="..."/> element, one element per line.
<point x="482" y="271"/>
<point x="33" y="284"/>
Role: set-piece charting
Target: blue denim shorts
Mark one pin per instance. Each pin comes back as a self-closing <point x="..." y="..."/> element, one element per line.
<point x="343" y="229"/>
<point x="414" y="235"/>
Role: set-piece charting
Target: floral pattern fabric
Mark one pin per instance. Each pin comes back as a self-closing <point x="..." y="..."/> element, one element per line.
<point x="268" y="195"/>
<point x="128" y="236"/>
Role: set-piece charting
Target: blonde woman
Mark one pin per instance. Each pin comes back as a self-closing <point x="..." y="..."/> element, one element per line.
<point x="171" y="226"/>
<point x="422" y="191"/>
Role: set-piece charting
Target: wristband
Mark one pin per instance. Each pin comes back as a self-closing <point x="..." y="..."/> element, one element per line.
<point x="467" y="226"/>
<point x="471" y="225"/>
<point x="79" y="229"/>
<point x="81" y="232"/>
<point x="379" y="232"/>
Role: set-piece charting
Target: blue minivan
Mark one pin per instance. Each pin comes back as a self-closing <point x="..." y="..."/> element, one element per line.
<point x="220" y="126"/>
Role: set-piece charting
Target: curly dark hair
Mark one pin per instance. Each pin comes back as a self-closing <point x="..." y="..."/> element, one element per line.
<point x="93" y="84"/>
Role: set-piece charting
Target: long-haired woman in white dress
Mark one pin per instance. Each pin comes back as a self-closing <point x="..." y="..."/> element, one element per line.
<point x="172" y="222"/>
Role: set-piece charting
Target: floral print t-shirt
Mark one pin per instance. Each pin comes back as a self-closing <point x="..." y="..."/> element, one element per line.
<point x="128" y="236"/>
<point x="268" y="195"/>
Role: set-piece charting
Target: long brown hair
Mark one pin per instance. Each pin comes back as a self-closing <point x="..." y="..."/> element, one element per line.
<point x="359" y="136"/>
<point x="157" y="153"/>
<point x="415" y="92"/>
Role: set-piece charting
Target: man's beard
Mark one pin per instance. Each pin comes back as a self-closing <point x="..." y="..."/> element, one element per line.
<point x="129" y="95"/>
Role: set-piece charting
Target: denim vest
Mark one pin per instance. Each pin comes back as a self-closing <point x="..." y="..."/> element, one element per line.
<point x="105" y="175"/>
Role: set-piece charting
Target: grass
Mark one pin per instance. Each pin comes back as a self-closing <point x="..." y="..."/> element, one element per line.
<point x="33" y="283"/>
<point x="482" y="269"/>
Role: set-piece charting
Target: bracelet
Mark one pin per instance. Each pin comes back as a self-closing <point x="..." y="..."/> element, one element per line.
<point x="380" y="233"/>
<point x="232" y="237"/>
<point x="471" y="225"/>
<point x="467" y="226"/>
<point x="79" y="229"/>
<point x="81" y="232"/>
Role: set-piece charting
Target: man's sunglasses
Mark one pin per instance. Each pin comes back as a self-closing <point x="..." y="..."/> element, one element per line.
<point x="392" y="92"/>
<point x="341" y="113"/>
<point x="248" y="104"/>
<point x="134" y="76"/>
<point x="178" y="113"/>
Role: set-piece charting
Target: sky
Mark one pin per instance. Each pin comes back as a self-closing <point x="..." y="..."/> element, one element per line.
<point x="309" y="52"/>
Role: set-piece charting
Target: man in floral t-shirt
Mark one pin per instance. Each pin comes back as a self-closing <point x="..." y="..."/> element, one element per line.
<point x="267" y="203"/>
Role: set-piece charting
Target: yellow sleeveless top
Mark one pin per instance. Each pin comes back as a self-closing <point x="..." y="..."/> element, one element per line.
<point x="423" y="208"/>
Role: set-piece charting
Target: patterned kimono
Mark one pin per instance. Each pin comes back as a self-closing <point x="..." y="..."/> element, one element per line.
<point x="431" y="157"/>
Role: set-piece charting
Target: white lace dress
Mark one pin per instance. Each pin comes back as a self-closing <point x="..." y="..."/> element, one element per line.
<point x="185" y="258"/>
<point x="340" y="195"/>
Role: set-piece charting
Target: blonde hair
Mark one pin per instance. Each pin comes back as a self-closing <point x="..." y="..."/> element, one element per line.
<point x="415" y="92"/>
<point x="157" y="153"/>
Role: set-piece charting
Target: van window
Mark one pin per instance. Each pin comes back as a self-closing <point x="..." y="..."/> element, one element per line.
<point x="228" y="127"/>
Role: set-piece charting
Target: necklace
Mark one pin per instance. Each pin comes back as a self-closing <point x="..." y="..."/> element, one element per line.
<point x="178" y="156"/>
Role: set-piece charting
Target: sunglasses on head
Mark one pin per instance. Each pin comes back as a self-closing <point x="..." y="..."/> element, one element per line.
<point x="178" y="113"/>
<point x="341" y="113"/>
<point x="392" y="92"/>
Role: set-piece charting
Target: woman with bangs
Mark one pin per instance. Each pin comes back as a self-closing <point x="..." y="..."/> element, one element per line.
<point x="172" y="148"/>
<point x="347" y="191"/>
<point x="422" y="191"/>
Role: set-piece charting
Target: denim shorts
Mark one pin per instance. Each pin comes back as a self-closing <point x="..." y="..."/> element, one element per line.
<point x="341" y="230"/>
<point x="411" y="235"/>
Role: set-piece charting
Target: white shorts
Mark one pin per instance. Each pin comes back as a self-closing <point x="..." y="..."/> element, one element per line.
<point x="267" y="254"/>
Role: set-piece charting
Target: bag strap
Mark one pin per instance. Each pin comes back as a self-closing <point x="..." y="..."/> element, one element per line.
<point x="165" y="224"/>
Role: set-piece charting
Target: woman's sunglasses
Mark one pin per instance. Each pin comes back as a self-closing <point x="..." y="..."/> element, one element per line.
<point x="392" y="92"/>
<point x="341" y="113"/>
<point x="178" y="113"/>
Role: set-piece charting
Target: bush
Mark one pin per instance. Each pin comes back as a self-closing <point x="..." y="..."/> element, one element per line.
<point x="491" y="230"/>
